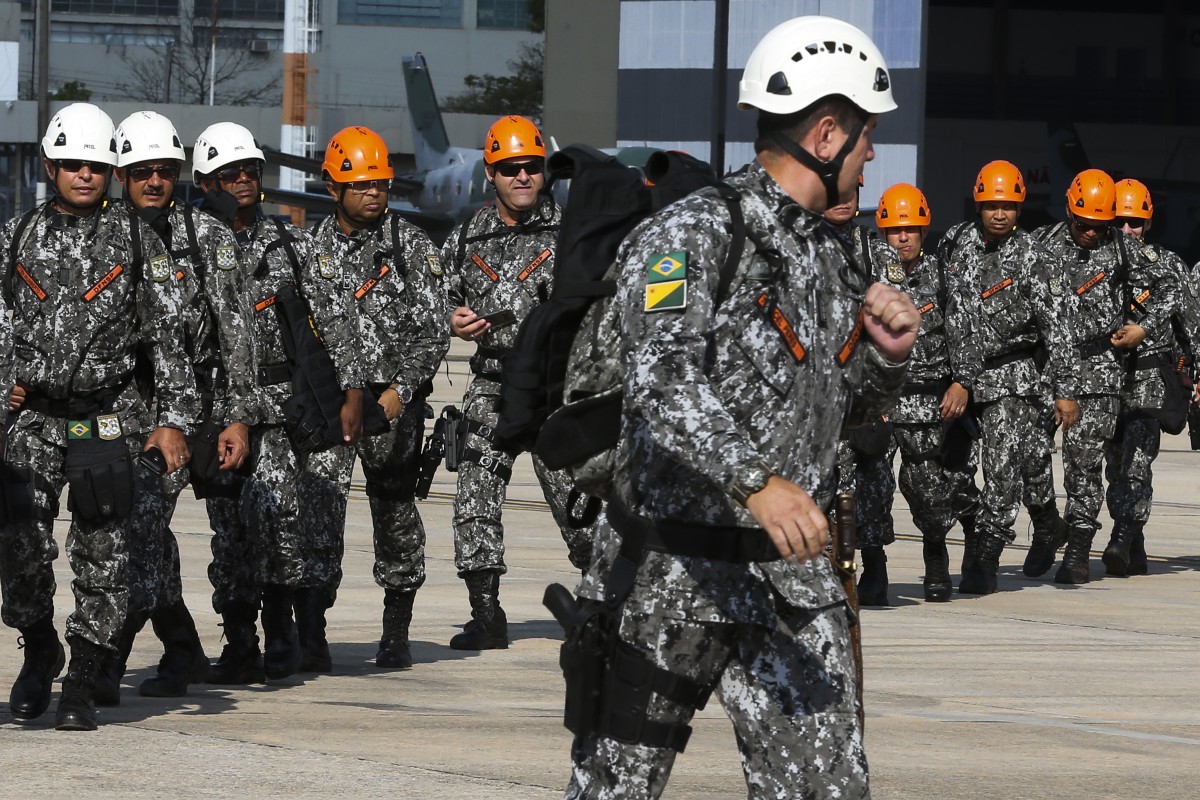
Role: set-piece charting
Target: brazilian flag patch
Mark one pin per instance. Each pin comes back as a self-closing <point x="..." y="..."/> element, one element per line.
<point x="666" y="282"/>
<point x="79" y="429"/>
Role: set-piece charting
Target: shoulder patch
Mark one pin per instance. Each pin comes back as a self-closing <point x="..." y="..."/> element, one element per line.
<point x="435" y="264"/>
<point x="895" y="273"/>
<point x="160" y="268"/>
<point x="1150" y="253"/>
<point x="1056" y="287"/>
<point x="327" y="266"/>
<point x="666" y="282"/>
<point x="226" y="257"/>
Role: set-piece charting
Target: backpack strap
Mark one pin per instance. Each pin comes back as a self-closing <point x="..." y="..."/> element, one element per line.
<point x="135" y="242"/>
<point x="737" y="244"/>
<point x="21" y="235"/>
<point x="461" y="255"/>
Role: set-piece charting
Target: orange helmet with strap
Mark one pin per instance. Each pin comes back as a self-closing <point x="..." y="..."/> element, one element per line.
<point x="512" y="137"/>
<point x="1133" y="199"/>
<point x="357" y="154"/>
<point x="902" y="205"/>
<point x="999" y="181"/>
<point x="1092" y="195"/>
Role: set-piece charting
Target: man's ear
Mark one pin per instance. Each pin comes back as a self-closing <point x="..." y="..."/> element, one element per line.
<point x="51" y="170"/>
<point x="489" y="172"/>
<point x="333" y="192"/>
<point x="820" y="138"/>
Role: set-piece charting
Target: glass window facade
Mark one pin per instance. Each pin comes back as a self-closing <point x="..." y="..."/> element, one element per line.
<point x="406" y="13"/>
<point x="512" y="14"/>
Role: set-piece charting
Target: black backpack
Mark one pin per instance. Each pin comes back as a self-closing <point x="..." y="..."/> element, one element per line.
<point x="545" y="404"/>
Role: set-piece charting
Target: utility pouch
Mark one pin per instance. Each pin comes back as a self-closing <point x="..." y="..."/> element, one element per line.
<point x="16" y="494"/>
<point x="1172" y="415"/>
<point x="958" y="440"/>
<point x="100" y="473"/>
<point x="204" y="463"/>
<point x="872" y="441"/>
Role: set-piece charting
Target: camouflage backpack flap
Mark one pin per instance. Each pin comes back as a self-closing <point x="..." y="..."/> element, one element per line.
<point x="581" y="436"/>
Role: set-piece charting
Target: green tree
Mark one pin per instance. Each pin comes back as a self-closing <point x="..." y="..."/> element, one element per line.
<point x="517" y="93"/>
<point x="72" y="90"/>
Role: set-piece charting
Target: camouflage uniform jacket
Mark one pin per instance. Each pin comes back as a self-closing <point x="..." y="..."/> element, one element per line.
<point x="382" y="313"/>
<point x="1003" y="301"/>
<point x="216" y="318"/>
<point x="769" y="375"/>
<point x="1144" y="387"/>
<point x="1105" y="283"/>
<point x="265" y="266"/>
<point x="80" y="316"/>
<point x="491" y="267"/>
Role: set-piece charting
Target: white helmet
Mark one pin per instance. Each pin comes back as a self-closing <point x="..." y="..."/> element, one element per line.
<point x="80" y="131"/>
<point x="220" y="145"/>
<point x="807" y="58"/>
<point x="147" y="136"/>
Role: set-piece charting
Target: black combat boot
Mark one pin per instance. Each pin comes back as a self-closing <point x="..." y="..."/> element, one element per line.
<point x="281" y="653"/>
<point x="490" y="628"/>
<point x="44" y="659"/>
<point x="183" y="661"/>
<point x="970" y="542"/>
<point x="1074" y="567"/>
<point x="241" y="661"/>
<point x="873" y="583"/>
<point x="982" y="577"/>
<point x="76" y="706"/>
<point x="1137" y="554"/>
<point x="1117" y="555"/>
<point x="937" y="584"/>
<point x="311" y="604"/>
<point x="107" y="691"/>
<point x="1049" y="534"/>
<point x="397" y="614"/>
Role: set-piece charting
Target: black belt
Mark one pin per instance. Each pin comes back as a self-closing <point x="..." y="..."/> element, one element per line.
<point x="495" y="353"/>
<point x="271" y="374"/>
<point x="488" y="376"/>
<point x="995" y="362"/>
<point x="1094" y="347"/>
<point x="690" y="539"/>
<point x="1161" y="359"/>
<point x="938" y="387"/>
<point x="77" y="406"/>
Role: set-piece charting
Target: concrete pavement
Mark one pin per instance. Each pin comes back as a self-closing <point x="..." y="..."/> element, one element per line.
<point x="1039" y="691"/>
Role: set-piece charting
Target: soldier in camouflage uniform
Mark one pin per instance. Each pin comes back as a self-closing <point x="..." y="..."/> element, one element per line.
<point x="1100" y="269"/>
<point x="149" y="159"/>
<point x="864" y="465"/>
<point x="376" y="282"/>
<point x="88" y="285"/>
<point x="273" y="553"/>
<point x="729" y="434"/>
<point x="1003" y="307"/>
<point x="1151" y="386"/>
<point x="501" y="260"/>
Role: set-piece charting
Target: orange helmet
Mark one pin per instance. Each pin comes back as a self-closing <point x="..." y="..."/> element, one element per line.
<point x="1133" y="199"/>
<point x="510" y="137"/>
<point x="1092" y="195"/>
<point x="357" y="154"/>
<point x="901" y="206"/>
<point x="1000" y="181"/>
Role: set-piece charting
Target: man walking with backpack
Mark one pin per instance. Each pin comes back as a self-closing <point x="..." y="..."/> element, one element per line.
<point x="725" y="469"/>
<point x="498" y="267"/>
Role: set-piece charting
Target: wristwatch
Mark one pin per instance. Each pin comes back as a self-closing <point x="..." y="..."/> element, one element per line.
<point x="405" y="393"/>
<point x="748" y="480"/>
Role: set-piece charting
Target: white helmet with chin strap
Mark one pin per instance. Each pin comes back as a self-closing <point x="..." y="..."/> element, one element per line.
<point x="80" y="131"/>
<point x="806" y="59"/>
<point x="147" y="136"/>
<point x="220" y="145"/>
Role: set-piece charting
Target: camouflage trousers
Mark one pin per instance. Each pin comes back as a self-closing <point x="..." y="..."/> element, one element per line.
<point x="871" y="481"/>
<point x="232" y="569"/>
<point x="925" y="483"/>
<point x="1083" y="452"/>
<point x="1017" y="464"/>
<point x="96" y="551"/>
<point x="788" y="690"/>
<point x="389" y="464"/>
<point x="483" y="486"/>
<point x="153" y="572"/>
<point x="1129" y="459"/>
<point x="284" y="549"/>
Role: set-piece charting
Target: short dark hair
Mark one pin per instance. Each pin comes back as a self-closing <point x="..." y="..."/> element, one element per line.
<point x="796" y="125"/>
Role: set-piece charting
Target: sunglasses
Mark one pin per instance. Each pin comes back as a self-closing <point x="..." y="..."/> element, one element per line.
<point x="511" y="169"/>
<point x="1132" y="222"/>
<point x="1083" y="226"/>
<point x="231" y="174"/>
<point x="75" y="165"/>
<point x="168" y="172"/>
<point x="362" y="187"/>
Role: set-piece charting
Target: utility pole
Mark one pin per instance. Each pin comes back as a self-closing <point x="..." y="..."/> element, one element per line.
<point x="298" y="33"/>
<point x="720" y="76"/>
<point x="212" y="52"/>
<point x="42" y="23"/>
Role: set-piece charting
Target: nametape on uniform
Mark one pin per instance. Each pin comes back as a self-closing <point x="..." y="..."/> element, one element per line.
<point x="1141" y="298"/>
<point x="179" y="275"/>
<point x="102" y="284"/>
<point x="160" y="268"/>
<point x="435" y="264"/>
<point x="999" y="287"/>
<point x="1090" y="282"/>
<point x="784" y="327"/>
<point x="327" y="266"/>
<point x="265" y="303"/>
<point x="226" y="259"/>
<point x="666" y="282"/>
<point x="537" y="262"/>
<point x="483" y="265"/>
<point x="37" y="290"/>
<point x="79" y="429"/>
<point x="361" y="291"/>
<point x="844" y="355"/>
<point x="925" y="309"/>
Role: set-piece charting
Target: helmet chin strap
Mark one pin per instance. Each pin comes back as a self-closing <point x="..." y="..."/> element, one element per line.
<point x="827" y="171"/>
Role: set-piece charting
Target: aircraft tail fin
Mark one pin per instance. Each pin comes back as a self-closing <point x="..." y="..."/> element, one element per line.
<point x="430" y="142"/>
